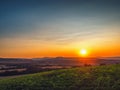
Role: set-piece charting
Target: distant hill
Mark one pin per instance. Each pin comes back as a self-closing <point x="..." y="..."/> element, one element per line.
<point x="85" y="78"/>
<point x="111" y="58"/>
<point x="14" y="60"/>
<point x="72" y="61"/>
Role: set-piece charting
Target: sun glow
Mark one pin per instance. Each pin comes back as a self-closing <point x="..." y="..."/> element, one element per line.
<point x="83" y="52"/>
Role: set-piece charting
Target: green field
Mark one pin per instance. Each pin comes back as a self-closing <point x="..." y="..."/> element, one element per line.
<point x="84" y="78"/>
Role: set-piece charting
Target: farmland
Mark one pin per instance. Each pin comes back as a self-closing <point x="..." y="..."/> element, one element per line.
<point x="106" y="77"/>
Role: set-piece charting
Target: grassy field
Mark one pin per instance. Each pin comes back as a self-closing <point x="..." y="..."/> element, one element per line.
<point x="84" y="78"/>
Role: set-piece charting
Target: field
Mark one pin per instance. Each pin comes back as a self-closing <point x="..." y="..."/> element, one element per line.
<point x="106" y="77"/>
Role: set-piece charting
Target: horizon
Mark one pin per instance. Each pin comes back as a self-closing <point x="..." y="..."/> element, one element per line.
<point x="58" y="57"/>
<point x="51" y="28"/>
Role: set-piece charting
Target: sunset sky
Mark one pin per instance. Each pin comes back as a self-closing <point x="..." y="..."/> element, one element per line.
<point x="48" y="28"/>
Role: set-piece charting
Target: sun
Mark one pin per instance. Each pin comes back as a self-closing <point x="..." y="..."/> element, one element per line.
<point x="83" y="52"/>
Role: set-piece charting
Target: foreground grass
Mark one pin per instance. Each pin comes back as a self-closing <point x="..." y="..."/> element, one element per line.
<point x="84" y="78"/>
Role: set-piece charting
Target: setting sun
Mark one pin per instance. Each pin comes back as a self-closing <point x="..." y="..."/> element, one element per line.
<point x="83" y="52"/>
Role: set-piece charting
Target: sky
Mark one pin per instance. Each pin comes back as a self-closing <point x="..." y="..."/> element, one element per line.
<point x="50" y="28"/>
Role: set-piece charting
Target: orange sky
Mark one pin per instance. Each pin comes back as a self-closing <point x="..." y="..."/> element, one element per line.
<point x="48" y="49"/>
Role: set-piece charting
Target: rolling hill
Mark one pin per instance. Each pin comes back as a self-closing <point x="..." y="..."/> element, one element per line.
<point x="105" y="77"/>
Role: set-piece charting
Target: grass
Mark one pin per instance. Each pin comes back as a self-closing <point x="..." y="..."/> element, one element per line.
<point x="84" y="78"/>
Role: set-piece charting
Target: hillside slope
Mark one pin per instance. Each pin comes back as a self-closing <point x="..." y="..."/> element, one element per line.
<point x="84" y="78"/>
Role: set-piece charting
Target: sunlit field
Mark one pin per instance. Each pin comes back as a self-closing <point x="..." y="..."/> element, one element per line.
<point x="84" y="78"/>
